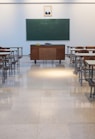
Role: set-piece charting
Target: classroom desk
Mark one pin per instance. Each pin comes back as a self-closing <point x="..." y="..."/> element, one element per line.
<point x="4" y="54"/>
<point x="47" y="52"/>
<point x="4" y="64"/>
<point x="81" y="55"/>
<point x="72" y="47"/>
<point x="73" y="50"/>
<point x="90" y="63"/>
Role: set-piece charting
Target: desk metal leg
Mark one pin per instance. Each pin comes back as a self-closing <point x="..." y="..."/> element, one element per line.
<point x="75" y="70"/>
<point x="60" y="61"/>
<point x="35" y="61"/>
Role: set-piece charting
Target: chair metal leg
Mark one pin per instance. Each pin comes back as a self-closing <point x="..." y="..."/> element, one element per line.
<point x="94" y="92"/>
<point x="91" y="92"/>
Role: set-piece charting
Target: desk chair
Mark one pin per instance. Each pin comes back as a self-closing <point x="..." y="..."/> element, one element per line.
<point x="79" y="60"/>
<point x="90" y="47"/>
<point x="87" y="68"/>
<point x="78" y="47"/>
<point x="4" y="67"/>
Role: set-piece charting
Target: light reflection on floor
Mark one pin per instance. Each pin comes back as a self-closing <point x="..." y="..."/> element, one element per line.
<point x="46" y="101"/>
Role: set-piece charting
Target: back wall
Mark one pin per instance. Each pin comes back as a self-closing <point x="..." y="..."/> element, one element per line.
<point x="13" y="25"/>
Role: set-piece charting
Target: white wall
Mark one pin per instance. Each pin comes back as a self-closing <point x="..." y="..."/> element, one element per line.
<point x="13" y="1"/>
<point x="13" y="27"/>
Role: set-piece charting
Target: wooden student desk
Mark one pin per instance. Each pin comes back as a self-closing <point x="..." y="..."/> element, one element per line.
<point x="47" y="52"/>
<point x="90" y="63"/>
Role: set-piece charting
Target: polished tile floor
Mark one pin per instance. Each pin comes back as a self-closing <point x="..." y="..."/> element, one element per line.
<point x="46" y="101"/>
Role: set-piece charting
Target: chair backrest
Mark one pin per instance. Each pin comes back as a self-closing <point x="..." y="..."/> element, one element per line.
<point x="89" y="58"/>
<point x="78" y="47"/>
<point x="83" y="51"/>
<point x="90" y="47"/>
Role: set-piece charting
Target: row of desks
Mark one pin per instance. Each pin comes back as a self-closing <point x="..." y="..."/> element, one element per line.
<point x="84" y="64"/>
<point x="9" y="57"/>
<point x="6" y="59"/>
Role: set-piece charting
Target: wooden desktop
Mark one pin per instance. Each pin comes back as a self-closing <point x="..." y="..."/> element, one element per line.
<point x="47" y="52"/>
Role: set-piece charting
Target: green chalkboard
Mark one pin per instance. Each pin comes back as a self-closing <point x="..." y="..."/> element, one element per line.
<point x="47" y="29"/>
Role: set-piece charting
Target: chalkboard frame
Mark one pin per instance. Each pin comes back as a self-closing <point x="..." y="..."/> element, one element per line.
<point x="47" y="29"/>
